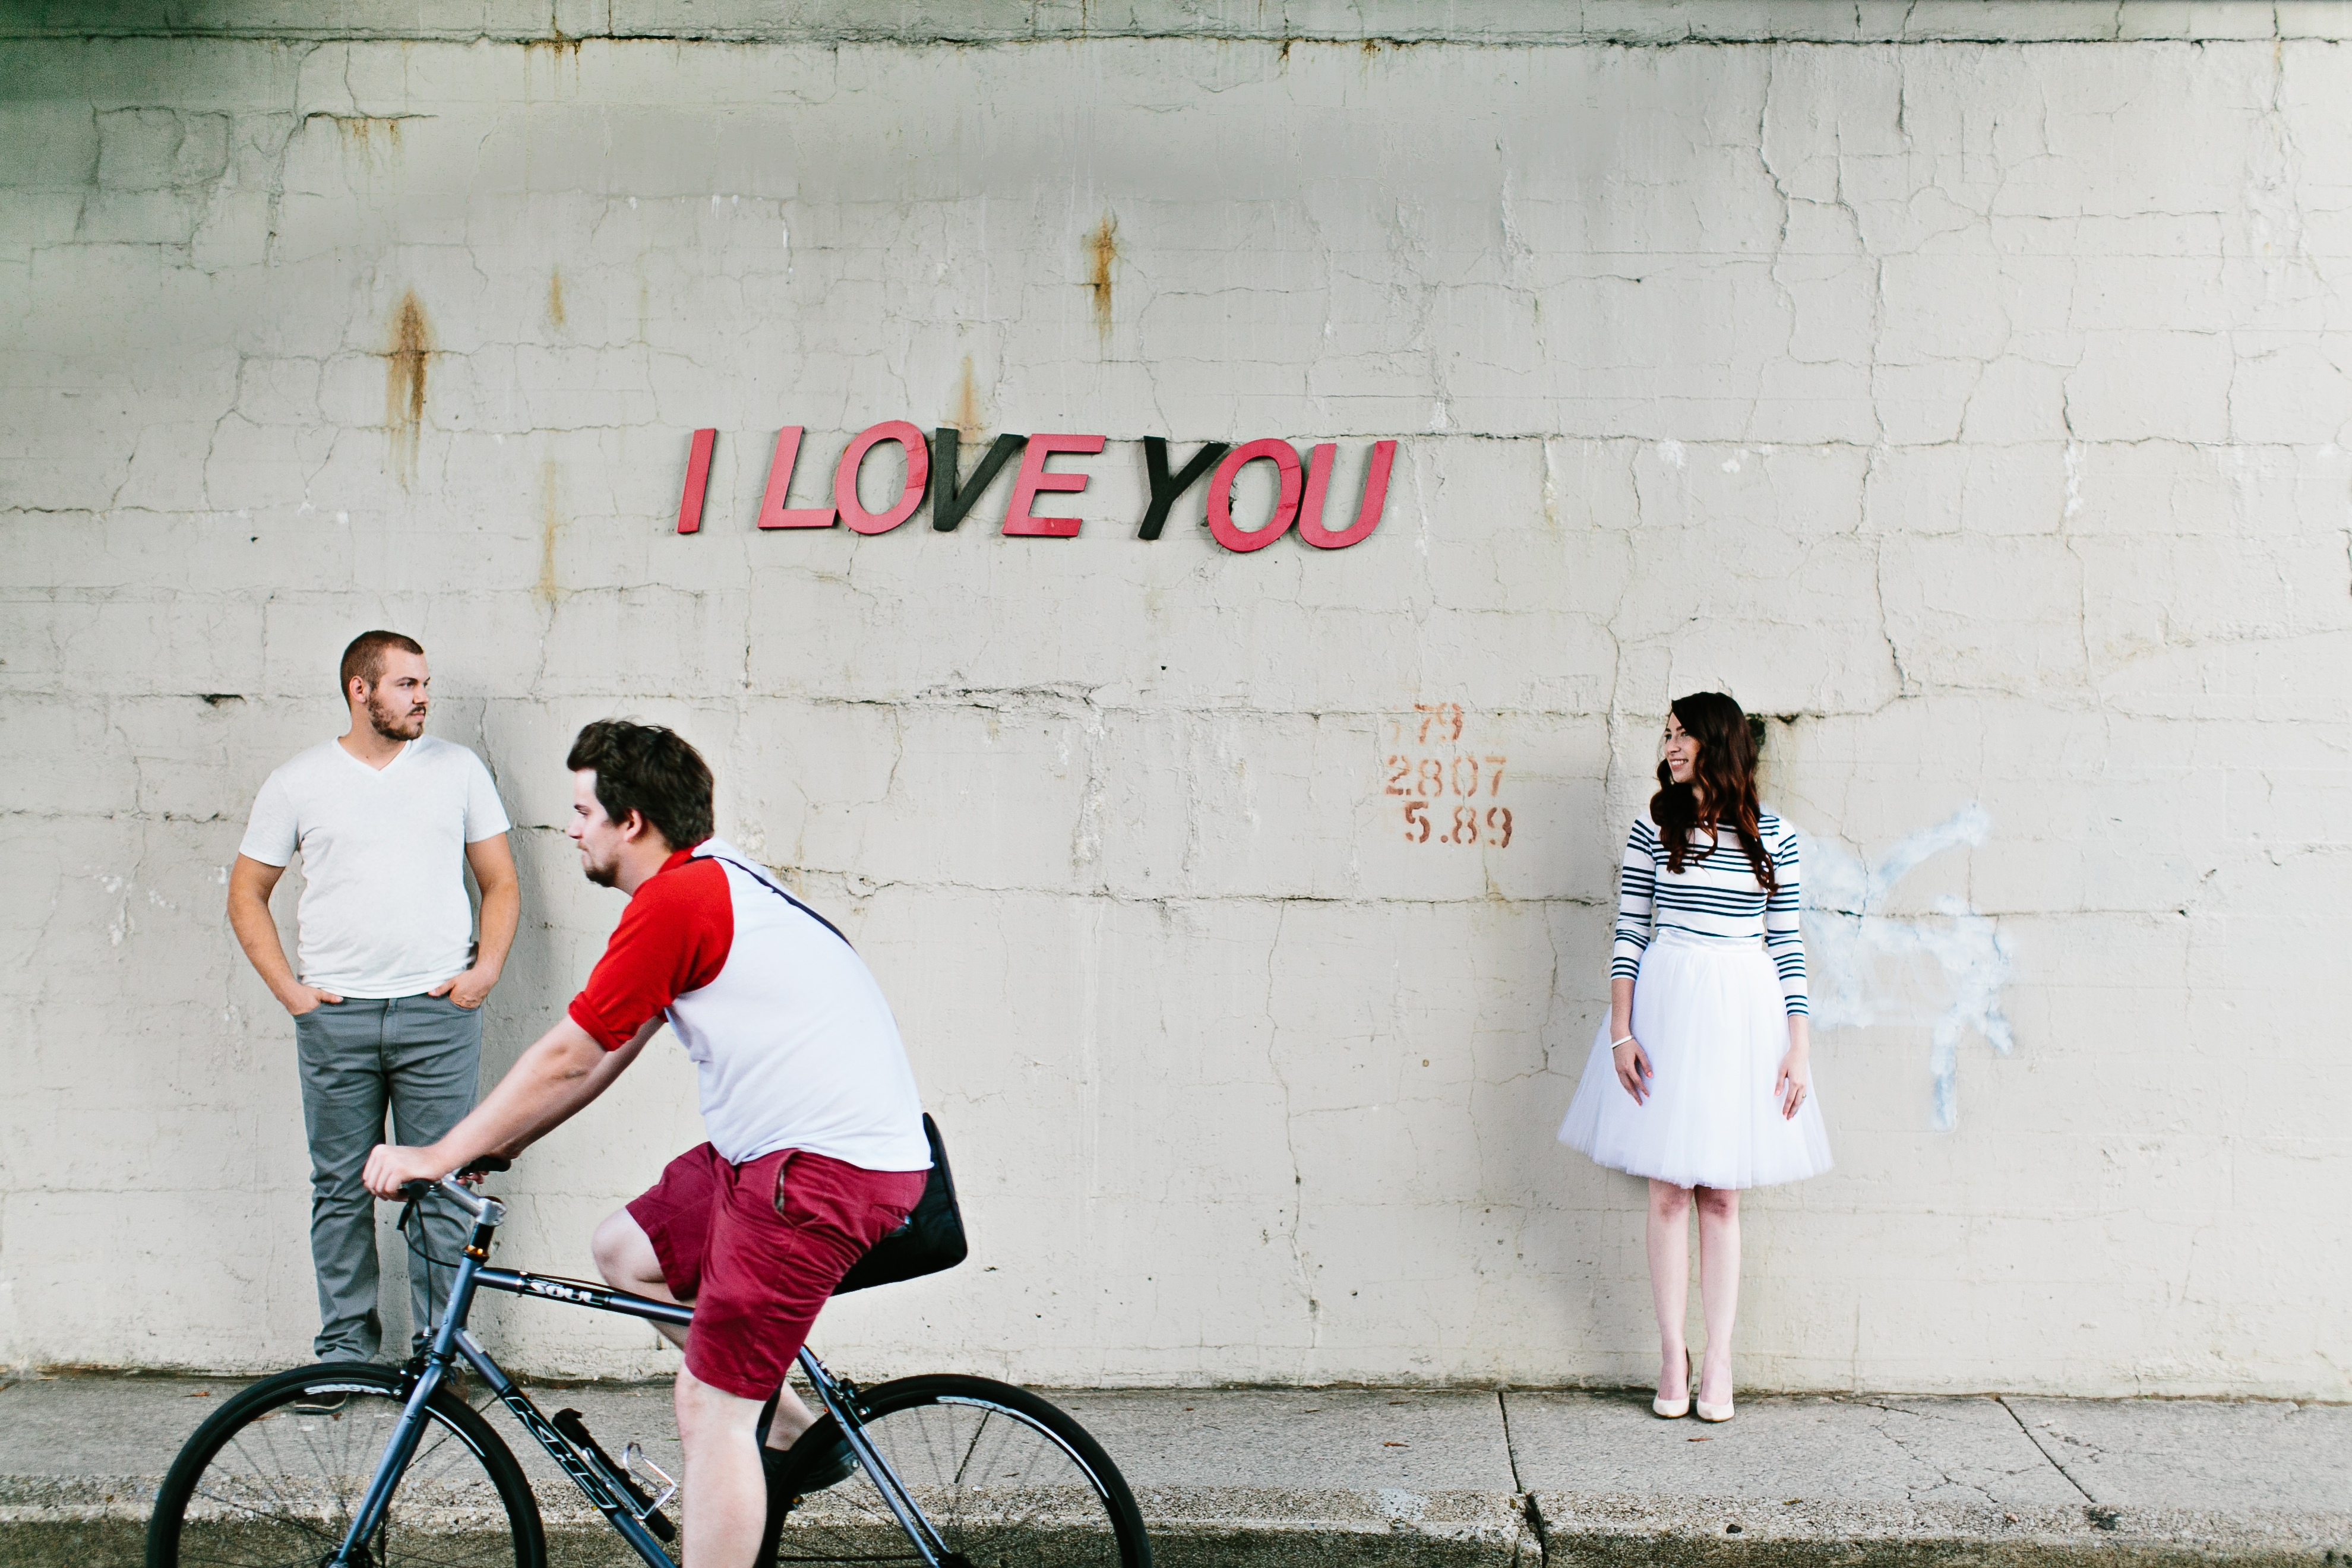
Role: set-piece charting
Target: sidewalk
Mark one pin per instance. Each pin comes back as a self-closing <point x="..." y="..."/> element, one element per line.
<point x="1415" y="1477"/>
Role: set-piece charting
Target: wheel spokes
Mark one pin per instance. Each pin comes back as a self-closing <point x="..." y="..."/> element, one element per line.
<point x="275" y="1495"/>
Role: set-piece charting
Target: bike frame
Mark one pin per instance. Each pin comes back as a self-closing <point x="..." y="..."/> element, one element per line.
<point x="451" y="1341"/>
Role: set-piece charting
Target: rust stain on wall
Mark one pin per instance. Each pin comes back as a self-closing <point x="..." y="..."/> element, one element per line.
<point x="558" y="52"/>
<point x="550" y="522"/>
<point x="967" y="419"/>
<point x="360" y="132"/>
<point x="1102" y="247"/>
<point x="405" y="366"/>
<point x="555" y="295"/>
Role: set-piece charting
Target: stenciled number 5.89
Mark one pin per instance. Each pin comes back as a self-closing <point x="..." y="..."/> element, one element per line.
<point x="1463" y="829"/>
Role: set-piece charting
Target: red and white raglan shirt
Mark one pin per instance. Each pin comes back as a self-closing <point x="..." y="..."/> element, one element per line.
<point x="793" y="1041"/>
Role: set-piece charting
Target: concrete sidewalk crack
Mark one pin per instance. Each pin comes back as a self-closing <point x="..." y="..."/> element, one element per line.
<point x="1527" y="1508"/>
<point x="1510" y="1451"/>
<point x="2057" y="1463"/>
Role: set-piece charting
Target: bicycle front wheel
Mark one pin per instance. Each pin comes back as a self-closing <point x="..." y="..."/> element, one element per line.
<point x="263" y="1485"/>
<point x="1008" y="1481"/>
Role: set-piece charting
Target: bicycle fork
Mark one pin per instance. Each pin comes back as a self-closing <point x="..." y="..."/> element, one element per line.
<point x="353" y="1552"/>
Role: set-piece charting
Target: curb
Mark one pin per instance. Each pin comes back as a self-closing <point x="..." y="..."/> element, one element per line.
<point x="96" y="1523"/>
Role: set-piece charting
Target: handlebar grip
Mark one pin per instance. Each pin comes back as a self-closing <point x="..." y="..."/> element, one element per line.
<point x="412" y="1191"/>
<point x="484" y="1166"/>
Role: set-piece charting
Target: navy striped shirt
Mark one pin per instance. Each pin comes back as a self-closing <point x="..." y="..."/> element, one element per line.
<point x="1714" y="895"/>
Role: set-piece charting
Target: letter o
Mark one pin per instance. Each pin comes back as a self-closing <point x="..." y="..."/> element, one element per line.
<point x="918" y="475"/>
<point x="1221" y="494"/>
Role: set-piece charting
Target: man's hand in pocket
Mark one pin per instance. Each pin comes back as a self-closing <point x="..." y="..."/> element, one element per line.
<point x="468" y="990"/>
<point x="306" y="999"/>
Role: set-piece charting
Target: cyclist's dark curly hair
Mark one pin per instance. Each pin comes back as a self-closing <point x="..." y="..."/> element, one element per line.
<point x="651" y="771"/>
<point x="1726" y="776"/>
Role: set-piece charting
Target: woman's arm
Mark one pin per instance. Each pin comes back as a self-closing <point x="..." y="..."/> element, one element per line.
<point x="1794" y="1081"/>
<point x="1637" y="892"/>
<point x="1786" y="943"/>
<point x="1632" y="1063"/>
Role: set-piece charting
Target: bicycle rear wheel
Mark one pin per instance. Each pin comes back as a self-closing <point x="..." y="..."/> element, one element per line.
<point x="1008" y="1480"/>
<point x="262" y="1484"/>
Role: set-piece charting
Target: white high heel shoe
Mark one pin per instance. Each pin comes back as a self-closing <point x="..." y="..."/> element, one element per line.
<point x="1674" y="1409"/>
<point x="1709" y="1411"/>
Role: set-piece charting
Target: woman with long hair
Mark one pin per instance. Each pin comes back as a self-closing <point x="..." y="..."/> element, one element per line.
<point x="1700" y="1079"/>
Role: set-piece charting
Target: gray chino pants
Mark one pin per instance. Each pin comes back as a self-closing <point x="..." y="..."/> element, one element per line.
<point x="420" y="1057"/>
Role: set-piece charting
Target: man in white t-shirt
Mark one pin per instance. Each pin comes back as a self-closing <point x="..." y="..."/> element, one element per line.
<point x="386" y="820"/>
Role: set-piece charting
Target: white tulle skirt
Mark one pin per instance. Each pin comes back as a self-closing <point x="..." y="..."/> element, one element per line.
<point x="1711" y="1016"/>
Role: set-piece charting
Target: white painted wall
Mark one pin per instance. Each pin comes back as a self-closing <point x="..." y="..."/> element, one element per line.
<point x="1978" y="408"/>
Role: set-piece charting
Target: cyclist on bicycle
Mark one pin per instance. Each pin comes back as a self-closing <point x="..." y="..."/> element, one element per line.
<point x="816" y="1147"/>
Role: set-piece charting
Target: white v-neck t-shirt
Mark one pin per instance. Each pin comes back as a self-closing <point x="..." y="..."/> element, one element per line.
<point x="383" y="910"/>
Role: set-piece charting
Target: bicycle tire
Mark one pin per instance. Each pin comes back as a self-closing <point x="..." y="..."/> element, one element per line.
<point x="261" y="1483"/>
<point x="1008" y="1479"/>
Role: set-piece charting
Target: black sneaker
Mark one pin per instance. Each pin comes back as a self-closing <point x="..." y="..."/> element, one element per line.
<point x="797" y="1471"/>
<point x="327" y="1402"/>
<point x="800" y="1469"/>
<point x="815" y="1463"/>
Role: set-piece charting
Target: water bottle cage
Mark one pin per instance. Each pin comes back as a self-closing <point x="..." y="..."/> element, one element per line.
<point x="633" y="1462"/>
<point x="621" y="1477"/>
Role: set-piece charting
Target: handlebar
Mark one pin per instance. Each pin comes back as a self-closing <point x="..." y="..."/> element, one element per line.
<point x="472" y="1169"/>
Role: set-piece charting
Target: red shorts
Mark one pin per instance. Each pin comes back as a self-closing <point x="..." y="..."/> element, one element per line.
<point x="758" y="1247"/>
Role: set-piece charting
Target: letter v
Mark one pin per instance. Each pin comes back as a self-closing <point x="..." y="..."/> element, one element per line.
<point x="949" y="500"/>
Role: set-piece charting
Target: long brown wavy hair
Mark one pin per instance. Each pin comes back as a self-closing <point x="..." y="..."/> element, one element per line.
<point x="1726" y="776"/>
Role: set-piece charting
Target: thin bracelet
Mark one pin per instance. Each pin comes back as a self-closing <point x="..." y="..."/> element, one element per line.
<point x="1626" y="1041"/>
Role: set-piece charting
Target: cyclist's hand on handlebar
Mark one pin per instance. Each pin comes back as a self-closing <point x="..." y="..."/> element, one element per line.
<point x="391" y="1166"/>
<point x="472" y="1173"/>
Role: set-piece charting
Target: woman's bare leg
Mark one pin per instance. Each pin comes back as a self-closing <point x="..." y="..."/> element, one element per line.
<point x="625" y="1257"/>
<point x="1668" y="1234"/>
<point x="1718" y="1286"/>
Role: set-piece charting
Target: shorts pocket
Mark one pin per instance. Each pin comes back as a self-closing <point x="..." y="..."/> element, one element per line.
<point x="806" y="1200"/>
<point x="791" y="1206"/>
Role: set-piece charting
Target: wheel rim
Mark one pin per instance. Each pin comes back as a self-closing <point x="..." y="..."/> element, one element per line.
<point x="1002" y="1490"/>
<point x="281" y="1488"/>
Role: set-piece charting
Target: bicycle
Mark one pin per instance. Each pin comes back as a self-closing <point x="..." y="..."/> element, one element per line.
<point x="958" y="1472"/>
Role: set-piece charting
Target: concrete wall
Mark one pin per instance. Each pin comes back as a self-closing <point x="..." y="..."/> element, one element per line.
<point x="1975" y="408"/>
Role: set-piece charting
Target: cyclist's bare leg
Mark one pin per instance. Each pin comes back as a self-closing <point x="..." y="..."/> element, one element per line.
<point x="726" y="1486"/>
<point x="625" y="1257"/>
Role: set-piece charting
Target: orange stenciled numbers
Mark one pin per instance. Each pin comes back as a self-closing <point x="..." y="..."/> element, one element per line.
<point x="1449" y="789"/>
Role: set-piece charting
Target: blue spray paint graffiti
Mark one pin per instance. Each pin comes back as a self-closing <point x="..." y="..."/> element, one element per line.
<point x="1847" y="935"/>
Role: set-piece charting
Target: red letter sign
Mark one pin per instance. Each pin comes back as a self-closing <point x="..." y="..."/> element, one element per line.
<point x="1221" y="494"/>
<point x="772" y="512"/>
<point x="919" y="473"/>
<point x="1368" y="513"/>
<point x="697" y="478"/>
<point x="1035" y="479"/>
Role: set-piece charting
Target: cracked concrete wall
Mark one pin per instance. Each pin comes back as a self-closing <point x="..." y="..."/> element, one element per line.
<point x="1975" y="408"/>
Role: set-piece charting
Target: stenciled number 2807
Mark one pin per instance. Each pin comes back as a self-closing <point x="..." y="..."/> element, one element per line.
<point x="1432" y="779"/>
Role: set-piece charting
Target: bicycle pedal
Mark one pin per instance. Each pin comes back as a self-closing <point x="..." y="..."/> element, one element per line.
<point x="620" y="1476"/>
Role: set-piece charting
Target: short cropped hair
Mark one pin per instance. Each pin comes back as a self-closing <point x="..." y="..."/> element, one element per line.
<point x="363" y="660"/>
<point x="651" y="771"/>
